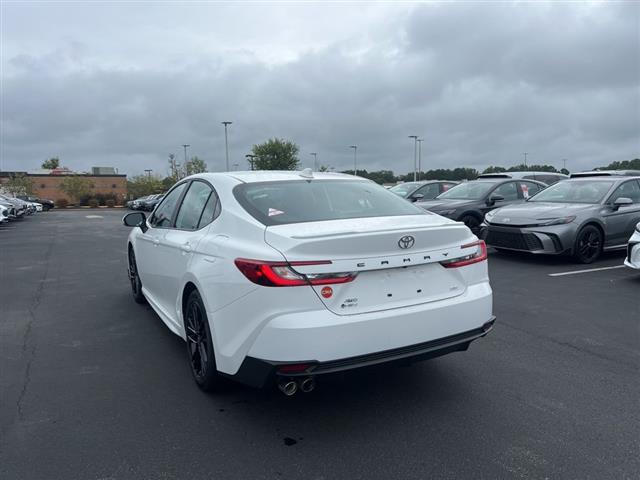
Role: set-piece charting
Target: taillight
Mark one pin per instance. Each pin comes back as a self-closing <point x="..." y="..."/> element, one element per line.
<point x="281" y="274"/>
<point x="478" y="256"/>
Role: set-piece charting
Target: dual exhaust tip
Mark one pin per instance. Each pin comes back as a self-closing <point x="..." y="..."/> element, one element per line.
<point x="290" y="386"/>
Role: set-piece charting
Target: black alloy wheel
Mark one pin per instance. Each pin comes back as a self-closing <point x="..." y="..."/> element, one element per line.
<point x="588" y="244"/>
<point x="134" y="278"/>
<point x="200" y="344"/>
<point x="472" y="222"/>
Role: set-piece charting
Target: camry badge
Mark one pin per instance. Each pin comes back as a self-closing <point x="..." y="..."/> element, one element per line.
<point x="406" y="242"/>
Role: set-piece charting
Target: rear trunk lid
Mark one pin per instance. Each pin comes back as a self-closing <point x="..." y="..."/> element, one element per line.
<point x="396" y="259"/>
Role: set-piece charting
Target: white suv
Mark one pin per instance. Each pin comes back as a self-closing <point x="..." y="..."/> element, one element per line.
<point x="288" y="275"/>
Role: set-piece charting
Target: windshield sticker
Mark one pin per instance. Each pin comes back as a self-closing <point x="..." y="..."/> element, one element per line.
<point x="274" y="211"/>
<point x="525" y="190"/>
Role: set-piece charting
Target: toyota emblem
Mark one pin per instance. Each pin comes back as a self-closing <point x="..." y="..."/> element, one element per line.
<point x="406" y="242"/>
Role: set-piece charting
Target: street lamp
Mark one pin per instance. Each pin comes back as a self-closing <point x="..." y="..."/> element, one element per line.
<point x="419" y="140"/>
<point x="226" y="143"/>
<point x="355" y="159"/>
<point x="415" y="155"/>
<point x="250" y="158"/>
<point x="525" y="158"/>
<point x="315" y="161"/>
<point x="564" y="163"/>
<point x="185" y="146"/>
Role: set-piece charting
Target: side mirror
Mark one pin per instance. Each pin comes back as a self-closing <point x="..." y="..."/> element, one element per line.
<point x="494" y="198"/>
<point x="622" y="202"/>
<point x="135" y="219"/>
<point x="416" y="197"/>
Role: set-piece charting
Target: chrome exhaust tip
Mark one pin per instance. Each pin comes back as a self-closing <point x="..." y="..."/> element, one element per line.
<point x="308" y="384"/>
<point x="288" y="387"/>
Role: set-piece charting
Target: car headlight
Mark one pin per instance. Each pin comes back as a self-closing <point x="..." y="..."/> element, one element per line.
<point x="545" y="222"/>
<point x="489" y="215"/>
<point x="446" y="213"/>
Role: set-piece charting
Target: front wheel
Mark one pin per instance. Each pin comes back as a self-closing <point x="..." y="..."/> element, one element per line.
<point x="134" y="278"/>
<point x="200" y="345"/>
<point x="588" y="244"/>
<point x="472" y="222"/>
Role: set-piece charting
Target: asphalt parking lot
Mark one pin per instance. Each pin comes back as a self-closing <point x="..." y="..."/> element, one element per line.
<point x="94" y="386"/>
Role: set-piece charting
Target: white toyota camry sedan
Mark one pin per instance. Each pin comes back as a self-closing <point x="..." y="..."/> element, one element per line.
<point x="285" y="276"/>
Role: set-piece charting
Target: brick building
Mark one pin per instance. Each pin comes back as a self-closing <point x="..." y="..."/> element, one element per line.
<point x="47" y="185"/>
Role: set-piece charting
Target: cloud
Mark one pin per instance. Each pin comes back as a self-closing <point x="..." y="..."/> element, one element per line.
<point x="127" y="85"/>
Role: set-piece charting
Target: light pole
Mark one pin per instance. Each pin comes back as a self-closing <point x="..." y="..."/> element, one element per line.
<point x="525" y="158"/>
<point x="250" y="158"/>
<point x="419" y="140"/>
<point x="185" y="146"/>
<point x="564" y="163"/>
<point x="315" y="161"/>
<point x="415" y="155"/>
<point x="226" y="143"/>
<point x="355" y="159"/>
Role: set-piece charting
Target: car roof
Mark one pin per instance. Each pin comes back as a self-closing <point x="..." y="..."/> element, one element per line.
<point x="607" y="173"/>
<point x="604" y="178"/>
<point x="520" y="174"/>
<point x="276" y="175"/>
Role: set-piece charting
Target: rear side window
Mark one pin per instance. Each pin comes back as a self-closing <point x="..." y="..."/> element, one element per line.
<point x="529" y="189"/>
<point x="193" y="205"/>
<point x="508" y="191"/>
<point x="278" y="203"/>
<point x="163" y="215"/>
<point x="429" y="191"/>
<point x="627" y="190"/>
<point x="211" y="210"/>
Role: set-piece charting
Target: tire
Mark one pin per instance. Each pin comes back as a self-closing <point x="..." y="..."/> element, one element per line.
<point x="588" y="245"/>
<point x="134" y="279"/>
<point x="472" y="222"/>
<point x="200" y="345"/>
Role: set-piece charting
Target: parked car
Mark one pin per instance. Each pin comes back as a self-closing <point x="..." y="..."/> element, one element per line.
<point x="633" y="250"/>
<point x="300" y="274"/>
<point x="545" y="177"/>
<point x="581" y="217"/>
<point x="468" y="202"/>
<point x="427" y="190"/>
<point x="4" y="214"/>
<point x="137" y="203"/>
<point x="10" y="209"/>
<point x="150" y="203"/>
<point x="606" y="173"/>
<point x="45" y="204"/>
<point x="19" y="206"/>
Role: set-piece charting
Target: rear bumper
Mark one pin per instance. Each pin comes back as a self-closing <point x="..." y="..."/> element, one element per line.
<point x="257" y="372"/>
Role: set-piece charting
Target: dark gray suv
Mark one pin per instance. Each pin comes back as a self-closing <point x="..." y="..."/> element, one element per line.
<point x="468" y="202"/>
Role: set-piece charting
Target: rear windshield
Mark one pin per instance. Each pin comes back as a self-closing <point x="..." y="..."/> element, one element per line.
<point x="279" y="203"/>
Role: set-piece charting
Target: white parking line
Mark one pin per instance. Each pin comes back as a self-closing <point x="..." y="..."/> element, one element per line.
<point x="562" y="274"/>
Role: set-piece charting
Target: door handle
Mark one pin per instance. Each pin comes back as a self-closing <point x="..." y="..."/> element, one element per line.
<point x="156" y="242"/>
<point x="186" y="247"/>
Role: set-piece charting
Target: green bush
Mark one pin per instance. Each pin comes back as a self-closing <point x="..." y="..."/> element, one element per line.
<point x="62" y="203"/>
<point x="110" y="203"/>
<point x="93" y="202"/>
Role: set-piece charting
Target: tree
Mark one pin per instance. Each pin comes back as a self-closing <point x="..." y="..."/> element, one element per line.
<point x="53" y="162"/>
<point x="142" y="185"/>
<point x="623" y="165"/>
<point x="195" y="165"/>
<point x="18" y="184"/>
<point x="276" y="154"/>
<point x="565" y="171"/>
<point x="493" y="169"/>
<point x="75" y="186"/>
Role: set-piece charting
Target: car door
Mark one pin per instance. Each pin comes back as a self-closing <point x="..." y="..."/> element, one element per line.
<point x="620" y="222"/>
<point x="149" y="251"/>
<point x="428" y="192"/>
<point x="180" y="243"/>
<point x="507" y="190"/>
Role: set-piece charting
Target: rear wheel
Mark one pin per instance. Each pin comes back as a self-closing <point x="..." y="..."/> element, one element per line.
<point x="472" y="222"/>
<point x="588" y="244"/>
<point x="134" y="278"/>
<point x="200" y="345"/>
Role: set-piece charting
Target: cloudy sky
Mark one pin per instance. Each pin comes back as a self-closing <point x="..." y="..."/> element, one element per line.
<point x="124" y="84"/>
